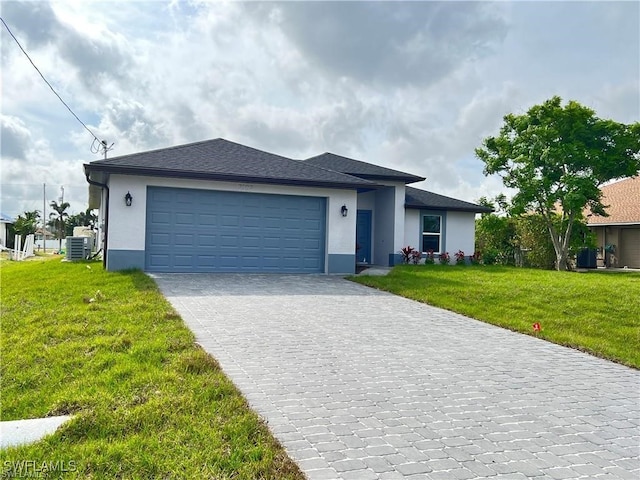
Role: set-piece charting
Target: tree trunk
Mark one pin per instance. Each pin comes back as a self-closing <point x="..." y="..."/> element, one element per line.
<point x="561" y="261"/>
<point x="560" y="244"/>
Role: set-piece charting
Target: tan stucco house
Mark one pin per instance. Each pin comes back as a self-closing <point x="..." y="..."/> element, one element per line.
<point x="618" y="235"/>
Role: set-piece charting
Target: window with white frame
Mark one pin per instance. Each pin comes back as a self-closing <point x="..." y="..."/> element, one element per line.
<point x="431" y="233"/>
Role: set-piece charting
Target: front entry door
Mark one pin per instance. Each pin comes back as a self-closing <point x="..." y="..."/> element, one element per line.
<point x="363" y="236"/>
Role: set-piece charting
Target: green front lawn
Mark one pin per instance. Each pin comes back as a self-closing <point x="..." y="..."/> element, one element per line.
<point x="598" y="312"/>
<point x="148" y="402"/>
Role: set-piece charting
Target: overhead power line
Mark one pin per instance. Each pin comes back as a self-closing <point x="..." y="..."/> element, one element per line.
<point x="103" y="144"/>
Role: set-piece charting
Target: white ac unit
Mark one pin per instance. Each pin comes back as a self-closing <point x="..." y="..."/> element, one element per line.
<point x="78" y="248"/>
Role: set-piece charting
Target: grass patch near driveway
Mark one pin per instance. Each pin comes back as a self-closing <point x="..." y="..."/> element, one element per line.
<point x="148" y="402"/>
<point x="596" y="312"/>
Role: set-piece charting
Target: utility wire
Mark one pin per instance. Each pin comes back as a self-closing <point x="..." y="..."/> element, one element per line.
<point x="45" y="81"/>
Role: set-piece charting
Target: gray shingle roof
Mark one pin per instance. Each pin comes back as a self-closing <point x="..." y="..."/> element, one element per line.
<point x="416" y="198"/>
<point x="361" y="169"/>
<point x="220" y="159"/>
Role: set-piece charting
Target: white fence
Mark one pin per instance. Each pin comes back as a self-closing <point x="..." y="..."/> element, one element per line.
<point x="27" y="249"/>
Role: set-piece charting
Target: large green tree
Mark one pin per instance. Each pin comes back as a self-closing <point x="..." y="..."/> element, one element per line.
<point x="82" y="219"/>
<point x="556" y="158"/>
<point x="58" y="219"/>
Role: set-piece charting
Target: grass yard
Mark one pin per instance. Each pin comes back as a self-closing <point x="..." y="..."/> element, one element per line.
<point x="597" y="312"/>
<point x="108" y="348"/>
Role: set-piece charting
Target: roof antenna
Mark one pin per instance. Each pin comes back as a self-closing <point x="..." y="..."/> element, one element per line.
<point x="101" y="147"/>
<point x="105" y="149"/>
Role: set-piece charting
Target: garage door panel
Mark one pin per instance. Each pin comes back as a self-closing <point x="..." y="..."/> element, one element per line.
<point x="250" y="262"/>
<point x="250" y="242"/>
<point x="311" y="225"/>
<point x="207" y="219"/>
<point x="183" y="260"/>
<point x="311" y="262"/>
<point x="251" y="221"/>
<point x="184" y="240"/>
<point x="230" y="221"/>
<point x="161" y="196"/>
<point x="184" y="197"/>
<point x="310" y="244"/>
<point x="158" y="259"/>
<point x="184" y="219"/>
<point x="630" y="248"/>
<point x="161" y="217"/>
<point x="160" y="239"/>
<point x="228" y="241"/>
<point x="270" y="242"/>
<point x="205" y="240"/>
<point x="229" y="261"/>
<point x="209" y="231"/>
<point x="272" y="222"/>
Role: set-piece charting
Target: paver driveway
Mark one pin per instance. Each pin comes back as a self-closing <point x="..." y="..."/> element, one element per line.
<point x="361" y="384"/>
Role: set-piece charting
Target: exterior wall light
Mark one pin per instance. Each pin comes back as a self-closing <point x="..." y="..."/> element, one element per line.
<point x="128" y="199"/>
<point x="344" y="210"/>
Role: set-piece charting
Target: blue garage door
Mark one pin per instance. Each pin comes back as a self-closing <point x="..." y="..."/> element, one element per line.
<point x="213" y="231"/>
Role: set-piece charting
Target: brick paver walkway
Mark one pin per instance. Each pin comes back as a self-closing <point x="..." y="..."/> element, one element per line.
<point x="361" y="384"/>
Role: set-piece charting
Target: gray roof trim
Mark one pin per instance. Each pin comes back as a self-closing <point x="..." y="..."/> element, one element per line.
<point x="220" y="159"/>
<point x="167" y="173"/>
<point x="423" y="200"/>
<point x="614" y="224"/>
<point x="361" y="169"/>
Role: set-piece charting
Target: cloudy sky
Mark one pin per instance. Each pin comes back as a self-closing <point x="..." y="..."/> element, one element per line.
<point x="414" y="86"/>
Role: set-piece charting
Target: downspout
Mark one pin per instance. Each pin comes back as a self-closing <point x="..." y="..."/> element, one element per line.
<point x="106" y="216"/>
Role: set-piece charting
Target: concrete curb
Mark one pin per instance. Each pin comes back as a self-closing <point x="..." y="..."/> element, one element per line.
<point x="21" y="432"/>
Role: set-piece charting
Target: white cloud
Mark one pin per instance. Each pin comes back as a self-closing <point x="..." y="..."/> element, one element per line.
<point x="411" y="85"/>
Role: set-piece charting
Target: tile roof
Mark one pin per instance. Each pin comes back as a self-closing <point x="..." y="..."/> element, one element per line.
<point x="220" y="159"/>
<point x="622" y="201"/>
<point x="416" y="198"/>
<point x="360" y="169"/>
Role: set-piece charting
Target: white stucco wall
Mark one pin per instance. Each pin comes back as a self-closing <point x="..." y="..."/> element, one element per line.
<point x="367" y="200"/>
<point x="3" y="233"/>
<point x="412" y="231"/>
<point x="127" y="224"/>
<point x="460" y="232"/>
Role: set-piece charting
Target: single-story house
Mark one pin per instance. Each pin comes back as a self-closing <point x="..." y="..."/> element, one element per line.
<point x="5" y="222"/>
<point x="46" y="240"/>
<point x="618" y="235"/>
<point x="218" y="206"/>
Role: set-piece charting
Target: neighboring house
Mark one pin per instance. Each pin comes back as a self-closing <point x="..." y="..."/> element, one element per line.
<point x="620" y="231"/>
<point x="218" y="206"/>
<point x="5" y="222"/>
<point x="48" y="240"/>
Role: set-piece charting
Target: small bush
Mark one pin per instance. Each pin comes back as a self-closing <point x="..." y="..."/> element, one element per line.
<point x="490" y="257"/>
<point x="445" y="259"/>
<point x="406" y="253"/>
<point x="416" y="256"/>
<point x="460" y="259"/>
<point x="429" y="259"/>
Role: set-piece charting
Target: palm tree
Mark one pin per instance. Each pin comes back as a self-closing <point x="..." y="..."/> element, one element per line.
<point x="58" y="217"/>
